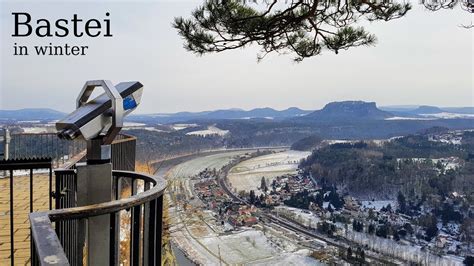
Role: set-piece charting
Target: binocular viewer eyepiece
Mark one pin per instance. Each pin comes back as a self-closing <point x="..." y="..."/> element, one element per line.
<point x="101" y="117"/>
<point x="68" y="134"/>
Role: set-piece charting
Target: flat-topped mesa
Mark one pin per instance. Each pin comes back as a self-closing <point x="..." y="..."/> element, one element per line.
<point x="350" y="111"/>
<point x="350" y="105"/>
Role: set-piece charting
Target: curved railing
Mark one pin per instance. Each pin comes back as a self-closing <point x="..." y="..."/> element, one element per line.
<point x="63" y="243"/>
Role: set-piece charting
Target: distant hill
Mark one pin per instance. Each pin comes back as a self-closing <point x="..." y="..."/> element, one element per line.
<point x="459" y="110"/>
<point x="426" y="109"/>
<point x="333" y="112"/>
<point x="257" y="113"/>
<point x="348" y="111"/>
<point x="398" y="108"/>
<point x="29" y="114"/>
<point x="254" y="113"/>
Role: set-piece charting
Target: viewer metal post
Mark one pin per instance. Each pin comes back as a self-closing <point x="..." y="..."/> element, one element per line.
<point x="98" y="122"/>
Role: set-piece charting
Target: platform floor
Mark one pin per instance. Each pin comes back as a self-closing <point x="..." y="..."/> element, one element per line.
<point x="21" y="200"/>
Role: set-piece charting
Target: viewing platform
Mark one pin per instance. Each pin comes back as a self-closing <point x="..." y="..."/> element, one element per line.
<point x="42" y="223"/>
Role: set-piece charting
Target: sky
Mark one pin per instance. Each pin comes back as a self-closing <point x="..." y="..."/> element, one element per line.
<point x="424" y="58"/>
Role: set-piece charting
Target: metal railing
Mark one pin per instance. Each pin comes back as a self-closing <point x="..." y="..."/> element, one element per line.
<point x="59" y="236"/>
<point x="29" y="166"/>
<point x="63" y="246"/>
<point x="43" y="145"/>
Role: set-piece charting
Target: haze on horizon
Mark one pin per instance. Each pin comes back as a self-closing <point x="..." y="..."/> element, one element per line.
<point x="424" y="58"/>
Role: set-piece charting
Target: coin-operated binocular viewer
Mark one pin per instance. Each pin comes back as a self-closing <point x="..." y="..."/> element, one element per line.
<point x="98" y="121"/>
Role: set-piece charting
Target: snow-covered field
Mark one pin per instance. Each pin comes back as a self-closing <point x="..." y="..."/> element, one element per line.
<point x="211" y="130"/>
<point x="300" y="257"/>
<point x="253" y="247"/>
<point x="192" y="167"/>
<point x="242" y="247"/>
<point x="133" y="124"/>
<point x="248" y="174"/>
<point x="182" y="126"/>
<point x="145" y="128"/>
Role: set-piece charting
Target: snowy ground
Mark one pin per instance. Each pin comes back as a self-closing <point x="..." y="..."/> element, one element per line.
<point x="196" y="232"/>
<point x="4" y="174"/>
<point x="37" y="130"/>
<point x="300" y="257"/>
<point x="448" y="163"/>
<point x="133" y="124"/>
<point x="337" y="141"/>
<point x="252" y="247"/>
<point x="182" y="126"/>
<point x="446" y="115"/>
<point x="29" y="122"/>
<point x="303" y="217"/>
<point x="242" y="247"/>
<point x="408" y="118"/>
<point x="211" y="130"/>
<point x="443" y="115"/>
<point x="193" y="167"/>
<point x="454" y="141"/>
<point x="248" y="174"/>
<point x="406" y="252"/>
<point x="145" y="128"/>
<point x="378" y="204"/>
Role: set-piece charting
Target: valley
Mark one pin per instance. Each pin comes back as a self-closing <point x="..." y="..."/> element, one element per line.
<point x="202" y="237"/>
<point x="256" y="198"/>
<point x="359" y="185"/>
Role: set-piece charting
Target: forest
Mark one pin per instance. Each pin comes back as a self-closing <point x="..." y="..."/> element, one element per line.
<point x="413" y="164"/>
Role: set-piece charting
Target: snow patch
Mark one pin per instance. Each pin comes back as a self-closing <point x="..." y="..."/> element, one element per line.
<point x="378" y="204"/>
<point x="211" y="130"/>
<point x="182" y="126"/>
<point x="409" y="118"/>
<point x="35" y="130"/>
<point x="133" y="124"/>
<point x="446" y="115"/>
